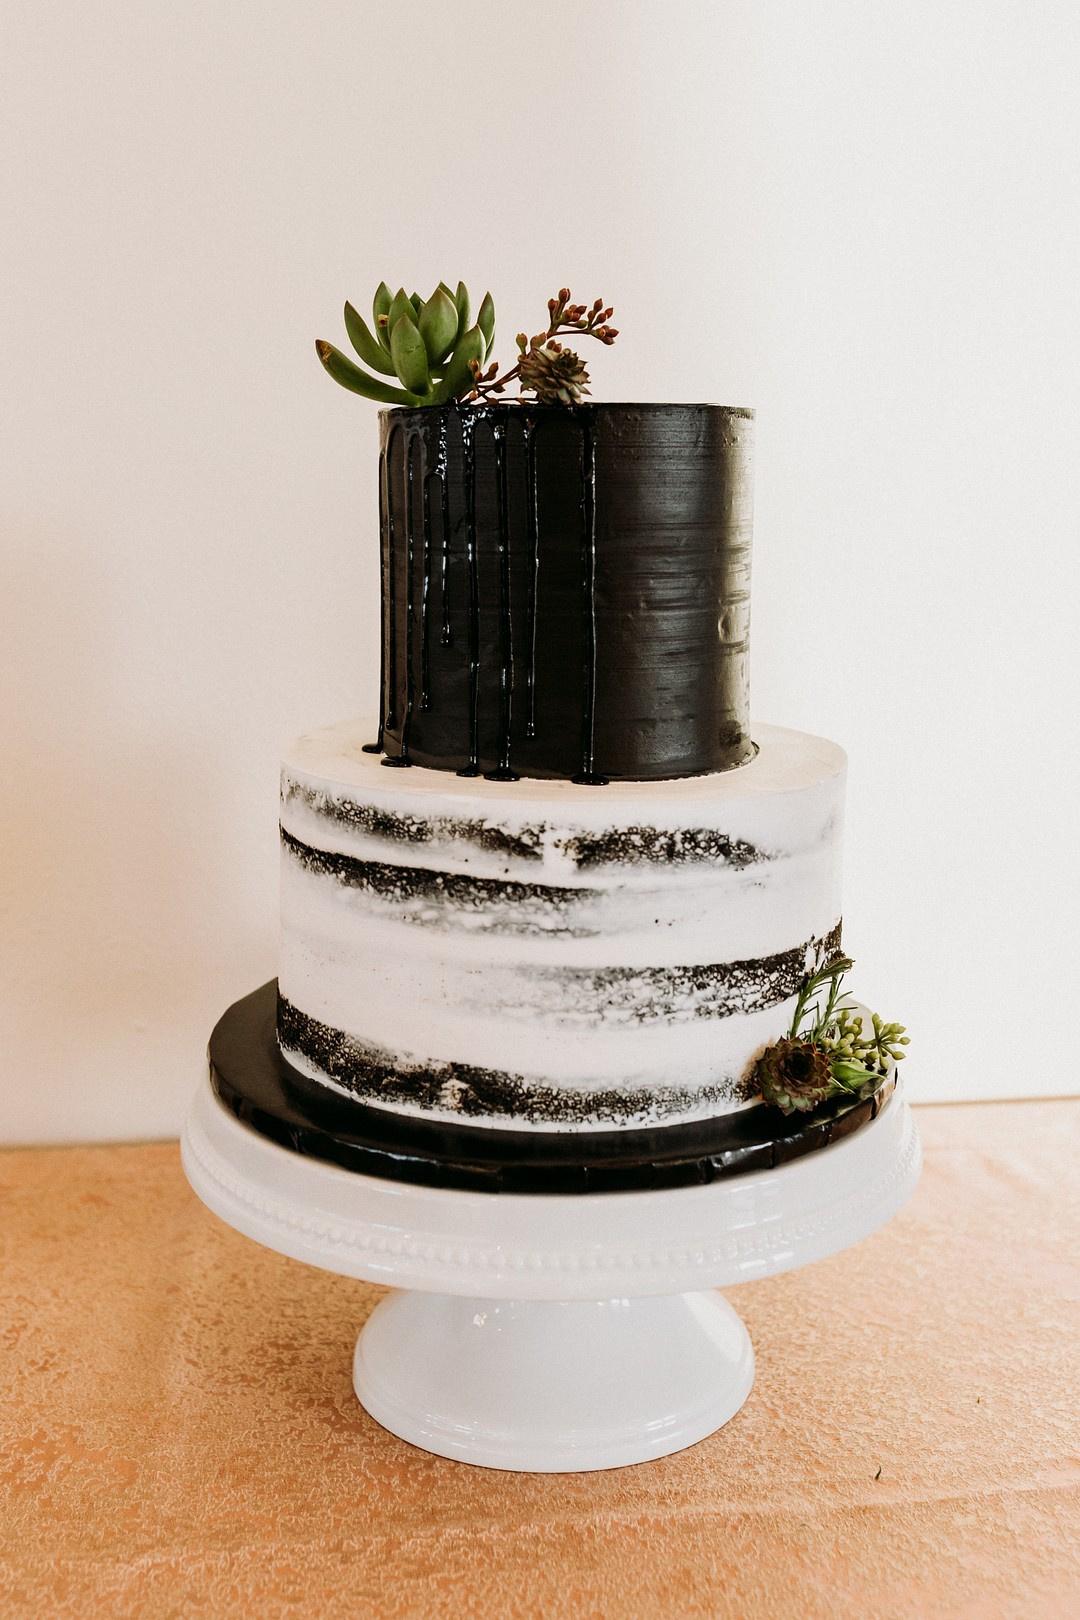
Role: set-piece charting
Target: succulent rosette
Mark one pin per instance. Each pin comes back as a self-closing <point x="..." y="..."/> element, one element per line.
<point x="557" y="376"/>
<point x="427" y="345"/>
<point x="794" y="1075"/>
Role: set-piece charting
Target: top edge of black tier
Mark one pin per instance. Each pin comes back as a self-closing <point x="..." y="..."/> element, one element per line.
<point x="256" y="1084"/>
<point x="565" y="589"/>
<point x="528" y="407"/>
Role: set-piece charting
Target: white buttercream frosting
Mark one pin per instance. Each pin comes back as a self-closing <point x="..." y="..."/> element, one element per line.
<point x="582" y="955"/>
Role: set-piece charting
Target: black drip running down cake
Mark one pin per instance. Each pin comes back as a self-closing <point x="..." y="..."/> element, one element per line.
<point x="554" y="915"/>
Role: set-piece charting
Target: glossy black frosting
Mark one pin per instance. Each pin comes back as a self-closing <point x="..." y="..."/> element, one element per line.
<point x="565" y="591"/>
<point x="255" y="1083"/>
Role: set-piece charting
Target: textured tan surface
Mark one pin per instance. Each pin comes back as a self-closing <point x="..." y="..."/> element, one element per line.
<point x="180" y="1437"/>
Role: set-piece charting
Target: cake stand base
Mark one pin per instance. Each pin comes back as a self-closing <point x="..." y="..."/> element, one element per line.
<point x="553" y="1386"/>
<point x="552" y="1332"/>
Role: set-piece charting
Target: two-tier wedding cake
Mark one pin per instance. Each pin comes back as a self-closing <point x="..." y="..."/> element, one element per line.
<point x="594" y="897"/>
<point x="554" y="916"/>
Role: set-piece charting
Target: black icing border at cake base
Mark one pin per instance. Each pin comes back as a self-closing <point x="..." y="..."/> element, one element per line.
<point x="256" y="1084"/>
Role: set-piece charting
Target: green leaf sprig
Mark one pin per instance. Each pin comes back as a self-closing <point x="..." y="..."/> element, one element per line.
<point x="427" y="345"/>
<point x="829" y="1048"/>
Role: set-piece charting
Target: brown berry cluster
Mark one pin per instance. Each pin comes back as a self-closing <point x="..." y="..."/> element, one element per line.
<point x="592" y="319"/>
<point x="545" y="367"/>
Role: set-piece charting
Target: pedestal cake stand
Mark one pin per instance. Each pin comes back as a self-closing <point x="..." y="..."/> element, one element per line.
<point x="536" y="1331"/>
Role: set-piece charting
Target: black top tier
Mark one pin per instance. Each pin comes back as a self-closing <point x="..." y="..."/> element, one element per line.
<point x="566" y="591"/>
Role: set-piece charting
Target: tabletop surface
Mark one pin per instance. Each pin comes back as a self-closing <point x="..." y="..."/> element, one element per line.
<point x="179" y="1435"/>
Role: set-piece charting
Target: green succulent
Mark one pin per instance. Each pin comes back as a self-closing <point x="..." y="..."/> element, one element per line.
<point x="426" y="345"/>
<point x="794" y="1075"/>
<point x="557" y="376"/>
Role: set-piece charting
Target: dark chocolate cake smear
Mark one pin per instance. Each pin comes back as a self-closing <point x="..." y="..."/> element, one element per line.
<point x="565" y="590"/>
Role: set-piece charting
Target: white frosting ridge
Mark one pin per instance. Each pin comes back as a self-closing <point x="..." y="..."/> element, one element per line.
<point x="635" y="939"/>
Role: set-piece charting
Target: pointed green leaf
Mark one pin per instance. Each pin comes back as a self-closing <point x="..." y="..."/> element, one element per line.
<point x="400" y="305"/>
<point x="410" y="355"/>
<point x="458" y="378"/>
<point x="380" y="306"/>
<point x="367" y="347"/>
<point x="438" y="325"/>
<point x="485" y="320"/>
<point x="417" y="302"/>
<point x="852" y="1074"/>
<point x="344" y="371"/>
<point x="461" y="299"/>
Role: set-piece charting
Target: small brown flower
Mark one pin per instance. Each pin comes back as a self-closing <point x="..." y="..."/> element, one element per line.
<point x="555" y="375"/>
<point x="794" y="1075"/>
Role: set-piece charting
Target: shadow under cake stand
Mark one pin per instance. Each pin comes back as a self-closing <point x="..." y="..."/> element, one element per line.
<point x="534" y="1330"/>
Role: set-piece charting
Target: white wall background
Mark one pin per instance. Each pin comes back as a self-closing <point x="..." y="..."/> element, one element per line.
<point x="860" y="218"/>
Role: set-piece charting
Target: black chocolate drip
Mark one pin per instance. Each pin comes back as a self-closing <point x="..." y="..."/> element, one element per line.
<point x="503" y="771"/>
<point x="425" y="655"/>
<point x="390" y="722"/>
<point x="625" y="654"/>
<point x="442" y="467"/>
<point x="376" y="747"/>
<point x="402" y="759"/>
<point x="468" y="446"/>
<point x="532" y="519"/>
<point x="588" y="773"/>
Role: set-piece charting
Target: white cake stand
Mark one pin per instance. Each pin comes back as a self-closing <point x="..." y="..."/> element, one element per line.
<point x="552" y="1333"/>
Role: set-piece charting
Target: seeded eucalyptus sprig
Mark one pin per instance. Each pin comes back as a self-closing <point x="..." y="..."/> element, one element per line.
<point x="872" y="1049"/>
<point x="545" y="367"/>
<point x="827" y="1051"/>
<point x="427" y="345"/>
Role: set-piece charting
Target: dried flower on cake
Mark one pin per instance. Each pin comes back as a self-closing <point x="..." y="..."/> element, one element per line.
<point x="794" y="1075"/>
<point x="554" y="374"/>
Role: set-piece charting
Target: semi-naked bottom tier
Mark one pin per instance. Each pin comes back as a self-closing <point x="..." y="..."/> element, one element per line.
<point x="544" y="955"/>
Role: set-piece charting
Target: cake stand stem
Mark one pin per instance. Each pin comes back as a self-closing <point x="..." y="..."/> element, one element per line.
<point x="553" y="1386"/>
